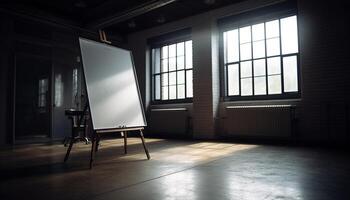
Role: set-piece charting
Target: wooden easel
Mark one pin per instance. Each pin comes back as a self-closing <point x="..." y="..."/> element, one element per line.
<point x="103" y="37"/>
<point x="95" y="139"/>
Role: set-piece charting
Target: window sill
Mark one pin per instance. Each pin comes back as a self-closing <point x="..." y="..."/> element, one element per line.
<point x="257" y="102"/>
<point x="175" y="101"/>
<point x="278" y="97"/>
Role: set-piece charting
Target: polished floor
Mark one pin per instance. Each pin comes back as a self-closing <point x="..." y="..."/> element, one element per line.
<point x="178" y="170"/>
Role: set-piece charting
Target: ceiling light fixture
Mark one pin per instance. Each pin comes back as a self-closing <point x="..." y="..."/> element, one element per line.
<point x="80" y="4"/>
<point x="161" y="19"/>
<point x="132" y="24"/>
<point x="209" y="2"/>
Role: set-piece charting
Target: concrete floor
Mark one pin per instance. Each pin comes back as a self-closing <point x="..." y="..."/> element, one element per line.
<point x="178" y="170"/>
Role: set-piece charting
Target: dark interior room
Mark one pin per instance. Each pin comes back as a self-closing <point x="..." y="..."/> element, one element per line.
<point x="174" y="99"/>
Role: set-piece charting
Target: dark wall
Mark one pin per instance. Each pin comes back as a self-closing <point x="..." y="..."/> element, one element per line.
<point x="5" y="48"/>
<point x="56" y="46"/>
<point x="325" y="62"/>
<point x="3" y="72"/>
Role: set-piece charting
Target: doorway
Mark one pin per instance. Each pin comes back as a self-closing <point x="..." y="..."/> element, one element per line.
<point x="32" y="97"/>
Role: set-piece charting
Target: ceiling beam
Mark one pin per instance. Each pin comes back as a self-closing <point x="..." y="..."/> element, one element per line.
<point x="128" y="14"/>
<point x="27" y="13"/>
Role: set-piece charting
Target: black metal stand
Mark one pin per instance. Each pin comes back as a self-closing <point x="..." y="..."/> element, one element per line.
<point x="80" y="126"/>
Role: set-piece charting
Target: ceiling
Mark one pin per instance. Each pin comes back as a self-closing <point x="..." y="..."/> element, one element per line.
<point x="116" y="16"/>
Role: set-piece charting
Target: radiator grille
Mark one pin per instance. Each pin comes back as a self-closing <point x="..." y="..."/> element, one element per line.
<point x="269" y="120"/>
<point x="169" y="122"/>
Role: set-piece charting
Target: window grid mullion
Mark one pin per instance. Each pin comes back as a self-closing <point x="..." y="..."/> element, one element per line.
<point x="225" y="61"/>
<point x="168" y="73"/>
<point x="226" y="82"/>
<point x="239" y="63"/>
<point x="161" y="78"/>
<point x="176" y="96"/>
<point x="266" y="68"/>
<point x="280" y="39"/>
<point x="185" y="74"/>
<point x="252" y="53"/>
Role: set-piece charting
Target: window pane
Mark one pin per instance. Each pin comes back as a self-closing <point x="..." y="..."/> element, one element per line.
<point x="246" y="69"/>
<point x="232" y="46"/>
<point x="156" y="60"/>
<point x="274" y="84"/>
<point x="290" y="74"/>
<point x="246" y="86"/>
<point x="289" y="35"/>
<point x="172" y="50"/>
<point x="164" y="65"/>
<point x="244" y="34"/>
<point x="258" y="32"/>
<point x="189" y="92"/>
<point x="259" y="49"/>
<point x="272" y="29"/>
<point x="172" y="92"/>
<point x="181" y="91"/>
<point x="274" y="65"/>
<point x="42" y="101"/>
<point x="59" y="89"/>
<point x="260" y="85"/>
<point x="157" y="86"/>
<point x="273" y="47"/>
<point x="180" y="62"/>
<point x="165" y="79"/>
<point x="165" y="93"/>
<point x="172" y="64"/>
<point x="180" y="49"/>
<point x="165" y="52"/>
<point x="180" y="77"/>
<point x="172" y="78"/>
<point x="246" y="51"/>
<point x="259" y="67"/>
<point x="188" y="55"/>
<point x="233" y="79"/>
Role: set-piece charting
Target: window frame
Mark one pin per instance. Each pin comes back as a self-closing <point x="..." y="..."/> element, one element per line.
<point x="153" y="85"/>
<point x="241" y="22"/>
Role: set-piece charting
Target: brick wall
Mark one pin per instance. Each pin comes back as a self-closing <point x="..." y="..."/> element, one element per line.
<point x="324" y="43"/>
<point x="322" y="111"/>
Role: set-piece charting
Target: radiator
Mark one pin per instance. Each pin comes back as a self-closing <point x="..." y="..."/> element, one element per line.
<point x="259" y="121"/>
<point x="169" y="121"/>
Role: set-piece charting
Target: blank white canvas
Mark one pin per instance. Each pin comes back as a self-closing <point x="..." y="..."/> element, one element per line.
<point x="112" y="87"/>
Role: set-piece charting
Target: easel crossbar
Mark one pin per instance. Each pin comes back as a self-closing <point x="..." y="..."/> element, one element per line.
<point x="119" y="130"/>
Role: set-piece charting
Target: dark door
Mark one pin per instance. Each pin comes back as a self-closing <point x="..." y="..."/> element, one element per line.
<point x="61" y="126"/>
<point x="33" y="97"/>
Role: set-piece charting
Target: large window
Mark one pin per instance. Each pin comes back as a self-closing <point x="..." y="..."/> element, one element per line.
<point x="172" y="71"/>
<point x="261" y="60"/>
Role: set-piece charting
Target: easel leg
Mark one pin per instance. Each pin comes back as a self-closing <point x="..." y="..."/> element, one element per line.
<point x="69" y="149"/>
<point x="125" y="142"/>
<point x="144" y="145"/>
<point x="97" y="142"/>
<point x="93" y="147"/>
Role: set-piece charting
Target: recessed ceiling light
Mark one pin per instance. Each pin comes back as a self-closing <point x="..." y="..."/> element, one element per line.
<point x="161" y="19"/>
<point x="209" y="2"/>
<point x="132" y="24"/>
<point x="80" y="4"/>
